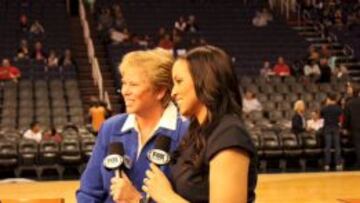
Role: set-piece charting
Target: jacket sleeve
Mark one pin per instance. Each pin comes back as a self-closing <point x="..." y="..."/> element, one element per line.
<point x="297" y="125"/>
<point x="91" y="188"/>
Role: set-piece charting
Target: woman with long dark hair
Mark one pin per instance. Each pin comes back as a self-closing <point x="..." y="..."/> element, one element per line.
<point x="216" y="161"/>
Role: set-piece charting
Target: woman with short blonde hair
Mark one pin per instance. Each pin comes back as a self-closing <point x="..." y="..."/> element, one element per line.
<point x="299" y="106"/>
<point x="146" y="88"/>
<point x="156" y="64"/>
<point x="298" y="122"/>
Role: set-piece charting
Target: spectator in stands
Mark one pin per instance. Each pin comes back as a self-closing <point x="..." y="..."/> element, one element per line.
<point x="180" y="25"/>
<point x="339" y="19"/>
<point x="97" y="114"/>
<point x="325" y="76"/>
<point x="53" y="135"/>
<point x="325" y="51"/>
<point x="332" y="62"/>
<point x="34" y="133"/>
<point x="192" y="26"/>
<point x="259" y="20"/>
<point x="9" y="72"/>
<point x="160" y="35"/>
<point x="23" y="50"/>
<point x="313" y="54"/>
<point x="281" y="68"/>
<point x="331" y="114"/>
<point x="146" y="87"/>
<point x="36" y="29"/>
<point x="166" y="42"/>
<point x="119" y="21"/>
<point x="105" y="20"/>
<point x="179" y="45"/>
<point x="39" y="55"/>
<point x="24" y="23"/>
<point x="349" y="94"/>
<point x="315" y="123"/>
<point x="266" y="70"/>
<point x="118" y="37"/>
<point x="67" y="60"/>
<point x="312" y="70"/>
<point x="341" y="72"/>
<point x="298" y="121"/>
<point x="267" y="14"/>
<point x="262" y="18"/>
<point x="53" y="60"/>
<point x="144" y="41"/>
<point x="108" y="112"/>
<point x="352" y="122"/>
<point x="250" y="102"/>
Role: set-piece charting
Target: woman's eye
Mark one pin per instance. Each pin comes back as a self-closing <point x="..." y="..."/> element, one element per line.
<point x="178" y="81"/>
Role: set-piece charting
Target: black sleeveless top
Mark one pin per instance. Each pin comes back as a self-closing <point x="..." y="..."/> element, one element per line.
<point x="193" y="185"/>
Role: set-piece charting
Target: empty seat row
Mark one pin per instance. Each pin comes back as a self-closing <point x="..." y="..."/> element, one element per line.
<point x="29" y="155"/>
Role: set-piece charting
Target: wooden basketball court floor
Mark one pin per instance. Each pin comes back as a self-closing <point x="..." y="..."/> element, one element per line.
<point x="331" y="187"/>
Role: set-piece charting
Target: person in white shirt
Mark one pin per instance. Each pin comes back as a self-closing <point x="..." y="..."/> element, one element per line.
<point x="180" y="24"/>
<point x="118" y="37"/>
<point x="34" y="133"/>
<point x="311" y="69"/>
<point x="315" y="123"/>
<point x="251" y="103"/>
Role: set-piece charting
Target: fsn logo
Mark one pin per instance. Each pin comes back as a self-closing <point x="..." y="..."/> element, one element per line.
<point x="158" y="157"/>
<point x="113" y="161"/>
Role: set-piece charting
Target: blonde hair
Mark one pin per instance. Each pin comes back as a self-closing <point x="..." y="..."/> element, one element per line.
<point x="156" y="64"/>
<point x="299" y="105"/>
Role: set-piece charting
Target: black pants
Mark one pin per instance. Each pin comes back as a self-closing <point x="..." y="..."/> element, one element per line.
<point x="356" y="141"/>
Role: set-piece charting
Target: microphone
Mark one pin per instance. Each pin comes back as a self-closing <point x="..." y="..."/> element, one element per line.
<point x="159" y="155"/>
<point x="115" y="158"/>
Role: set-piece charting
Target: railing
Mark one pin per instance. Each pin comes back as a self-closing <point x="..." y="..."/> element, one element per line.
<point x="95" y="68"/>
<point x="107" y="100"/>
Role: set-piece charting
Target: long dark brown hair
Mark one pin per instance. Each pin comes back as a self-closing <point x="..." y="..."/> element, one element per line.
<point x="216" y="87"/>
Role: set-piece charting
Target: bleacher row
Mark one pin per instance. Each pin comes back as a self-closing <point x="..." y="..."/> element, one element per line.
<point x="38" y="70"/>
<point x="281" y="149"/>
<point x="51" y="14"/>
<point x="278" y="95"/>
<point x="270" y="129"/>
<point x="49" y="95"/>
<point x="277" y="146"/>
<point x="52" y="103"/>
<point x="225" y="24"/>
<point x="22" y="156"/>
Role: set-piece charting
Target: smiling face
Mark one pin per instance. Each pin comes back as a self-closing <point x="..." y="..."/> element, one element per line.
<point x="138" y="92"/>
<point x="183" y="91"/>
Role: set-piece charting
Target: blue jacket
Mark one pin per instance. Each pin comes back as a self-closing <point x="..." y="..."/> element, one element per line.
<point x="95" y="180"/>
